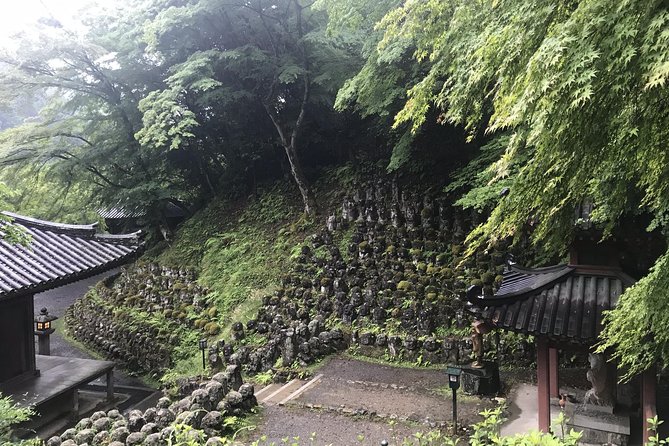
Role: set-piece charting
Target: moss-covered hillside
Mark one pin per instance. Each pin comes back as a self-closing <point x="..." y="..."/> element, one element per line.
<point x="380" y="267"/>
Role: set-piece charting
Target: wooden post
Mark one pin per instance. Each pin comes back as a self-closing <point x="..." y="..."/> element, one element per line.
<point x="648" y="396"/>
<point x="74" y="415"/>
<point x="553" y="372"/>
<point x="543" y="384"/>
<point x="43" y="345"/>
<point x="110" y="385"/>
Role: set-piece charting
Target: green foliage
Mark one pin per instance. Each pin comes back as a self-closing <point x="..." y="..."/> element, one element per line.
<point x="576" y="89"/>
<point x="188" y="246"/>
<point x="653" y="425"/>
<point x="636" y="329"/>
<point x="156" y="101"/>
<point x="10" y="416"/>
<point x="379" y="88"/>
<point x="478" y="184"/>
<point x="78" y="146"/>
<point x="251" y="90"/>
<point x="248" y="258"/>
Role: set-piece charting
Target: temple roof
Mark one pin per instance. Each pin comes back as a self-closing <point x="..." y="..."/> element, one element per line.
<point x="119" y="211"/>
<point x="59" y="254"/>
<point x="563" y="302"/>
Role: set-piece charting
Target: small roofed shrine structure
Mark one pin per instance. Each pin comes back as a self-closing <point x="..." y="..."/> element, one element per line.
<point x="563" y="307"/>
<point x="55" y="255"/>
<point x="121" y="218"/>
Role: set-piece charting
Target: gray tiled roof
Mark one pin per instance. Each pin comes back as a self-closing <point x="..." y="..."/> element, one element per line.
<point x="120" y="212"/>
<point x="563" y="302"/>
<point x="59" y="254"/>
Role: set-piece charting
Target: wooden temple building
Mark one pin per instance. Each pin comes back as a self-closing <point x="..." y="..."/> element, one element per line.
<point x="57" y="254"/>
<point x="562" y="308"/>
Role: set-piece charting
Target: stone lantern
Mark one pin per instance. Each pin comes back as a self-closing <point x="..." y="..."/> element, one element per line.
<point x="43" y="331"/>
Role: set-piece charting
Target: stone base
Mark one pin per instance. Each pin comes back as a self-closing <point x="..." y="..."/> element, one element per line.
<point x="481" y="381"/>
<point x="600" y="427"/>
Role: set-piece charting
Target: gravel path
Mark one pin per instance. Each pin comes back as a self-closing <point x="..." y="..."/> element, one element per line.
<point x="401" y="399"/>
<point x="57" y="301"/>
<point x="415" y="394"/>
<point x="329" y="429"/>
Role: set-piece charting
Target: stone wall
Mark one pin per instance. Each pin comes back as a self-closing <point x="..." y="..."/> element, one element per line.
<point x="202" y="406"/>
<point x="386" y="273"/>
<point x="139" y="317"/>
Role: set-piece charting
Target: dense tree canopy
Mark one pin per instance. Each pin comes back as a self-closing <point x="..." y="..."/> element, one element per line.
<point x="566" y="101"/>
<point x="578" y="90"/>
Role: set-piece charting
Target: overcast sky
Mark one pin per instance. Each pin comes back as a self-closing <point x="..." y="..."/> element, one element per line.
<point x="17" y="15"/>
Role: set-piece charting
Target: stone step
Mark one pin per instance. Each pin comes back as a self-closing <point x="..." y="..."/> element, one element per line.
<point x="279" y="392"/>
<point x="302" y="389"/>
<point x="264" y="391"/>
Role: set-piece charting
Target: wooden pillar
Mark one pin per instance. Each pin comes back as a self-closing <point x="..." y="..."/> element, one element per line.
<point x="543" y="384"/>
<point x="74" y="415"/>
<point x="648" y="396"/>
<point x="553" y="372"/>
<point x="110" y="385"/>
<point x="30" y="333"/>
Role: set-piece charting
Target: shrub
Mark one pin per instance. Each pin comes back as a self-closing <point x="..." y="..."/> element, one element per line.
<point x="10" y="416"/>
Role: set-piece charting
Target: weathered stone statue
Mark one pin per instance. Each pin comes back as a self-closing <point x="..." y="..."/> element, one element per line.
<point x="478" y="329"/>
<point x="602" y="390"/>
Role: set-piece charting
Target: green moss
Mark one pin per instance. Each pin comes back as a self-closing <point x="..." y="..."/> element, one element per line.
<point x="212" y="328"/>
<point x="404" y="285"/>
<point x="416" y="252"/>
<point x="487" y="278"/>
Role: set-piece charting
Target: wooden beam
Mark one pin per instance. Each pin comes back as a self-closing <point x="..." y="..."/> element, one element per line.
<point x="543" y="384"/>
<point x="553" y="372"/>
<point x="648" y="400"/>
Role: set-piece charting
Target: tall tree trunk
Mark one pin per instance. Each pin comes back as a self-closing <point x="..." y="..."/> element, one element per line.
<point x="289" y="142"/>
<point x="301" y="181"/>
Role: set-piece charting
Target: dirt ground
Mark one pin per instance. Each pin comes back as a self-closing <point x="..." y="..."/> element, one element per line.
<point x="327" y="428"/>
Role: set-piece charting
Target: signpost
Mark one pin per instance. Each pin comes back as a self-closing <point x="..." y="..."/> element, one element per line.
<point x="454" y="384"/>
<point x="203" y="347"/>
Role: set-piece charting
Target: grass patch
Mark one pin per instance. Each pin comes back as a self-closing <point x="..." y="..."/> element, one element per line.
<point x="352" y="354"/>
<point x="62" y="329"/>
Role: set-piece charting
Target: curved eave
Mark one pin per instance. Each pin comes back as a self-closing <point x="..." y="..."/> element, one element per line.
<point x="58" y="254"/>
<point x="569" y="308"/>
<point x="87" y="229"/>
<point x="70" y="278"/>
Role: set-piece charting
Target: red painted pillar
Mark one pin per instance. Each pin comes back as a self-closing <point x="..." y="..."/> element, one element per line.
<point x="543" y="384"/>
<point x="553" y="372"/>
<point x="648" y="395"/>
